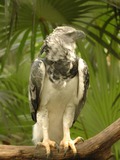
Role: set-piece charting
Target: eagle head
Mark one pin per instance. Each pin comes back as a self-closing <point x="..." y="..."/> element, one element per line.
<point x="68" y="34"/>
<point x="62" y="42"/>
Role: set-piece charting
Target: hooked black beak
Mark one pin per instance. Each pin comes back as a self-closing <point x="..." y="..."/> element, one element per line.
<point x="80" y="34"/>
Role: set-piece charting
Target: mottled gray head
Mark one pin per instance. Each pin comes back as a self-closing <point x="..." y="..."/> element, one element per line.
<point x="62" y="40"/>
<point x="68" y="34"/>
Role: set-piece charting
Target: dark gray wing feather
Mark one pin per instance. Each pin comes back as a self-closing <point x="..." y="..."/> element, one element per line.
<point x="86" y="84"/>
<point x="36" y="82"/>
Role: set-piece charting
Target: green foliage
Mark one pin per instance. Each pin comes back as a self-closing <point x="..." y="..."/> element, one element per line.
<point x="23" y="26"/>
<point x="29" y="19"/>
<point x="15" y="120"/>
<point x="103" y="100"/>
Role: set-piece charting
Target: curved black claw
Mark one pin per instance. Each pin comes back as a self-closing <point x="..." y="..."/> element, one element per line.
<point x="57" y="147"/>
<point x="65" y="151"/>
<point x="49" y="156"/>
<point x="82" y="139"/>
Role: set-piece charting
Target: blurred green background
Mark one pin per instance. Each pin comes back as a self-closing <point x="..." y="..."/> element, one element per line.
<point x="23" y="27"/>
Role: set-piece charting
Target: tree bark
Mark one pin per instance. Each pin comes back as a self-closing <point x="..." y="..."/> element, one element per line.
<point x="95" y="148"/>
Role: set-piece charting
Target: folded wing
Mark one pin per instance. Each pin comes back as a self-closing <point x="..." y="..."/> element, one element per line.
<point x="36" y="82"/>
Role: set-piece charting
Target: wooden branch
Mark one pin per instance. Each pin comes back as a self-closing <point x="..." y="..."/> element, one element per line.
<point x="95" y="148"/>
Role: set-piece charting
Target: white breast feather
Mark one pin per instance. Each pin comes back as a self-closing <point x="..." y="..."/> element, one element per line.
<point x="56" y="99"/>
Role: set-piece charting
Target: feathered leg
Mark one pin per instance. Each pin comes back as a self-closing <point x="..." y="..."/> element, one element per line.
<point x="37" y="133"/>
<point x="67" y="123"/>
<point x="42" y="125"/>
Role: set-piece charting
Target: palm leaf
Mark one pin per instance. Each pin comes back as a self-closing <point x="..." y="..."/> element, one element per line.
<point x="32" y="15"/>
<point x="103" y="102"/>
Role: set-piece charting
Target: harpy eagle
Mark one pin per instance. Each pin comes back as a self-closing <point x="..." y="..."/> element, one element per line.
<point x="57" y="89"/>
